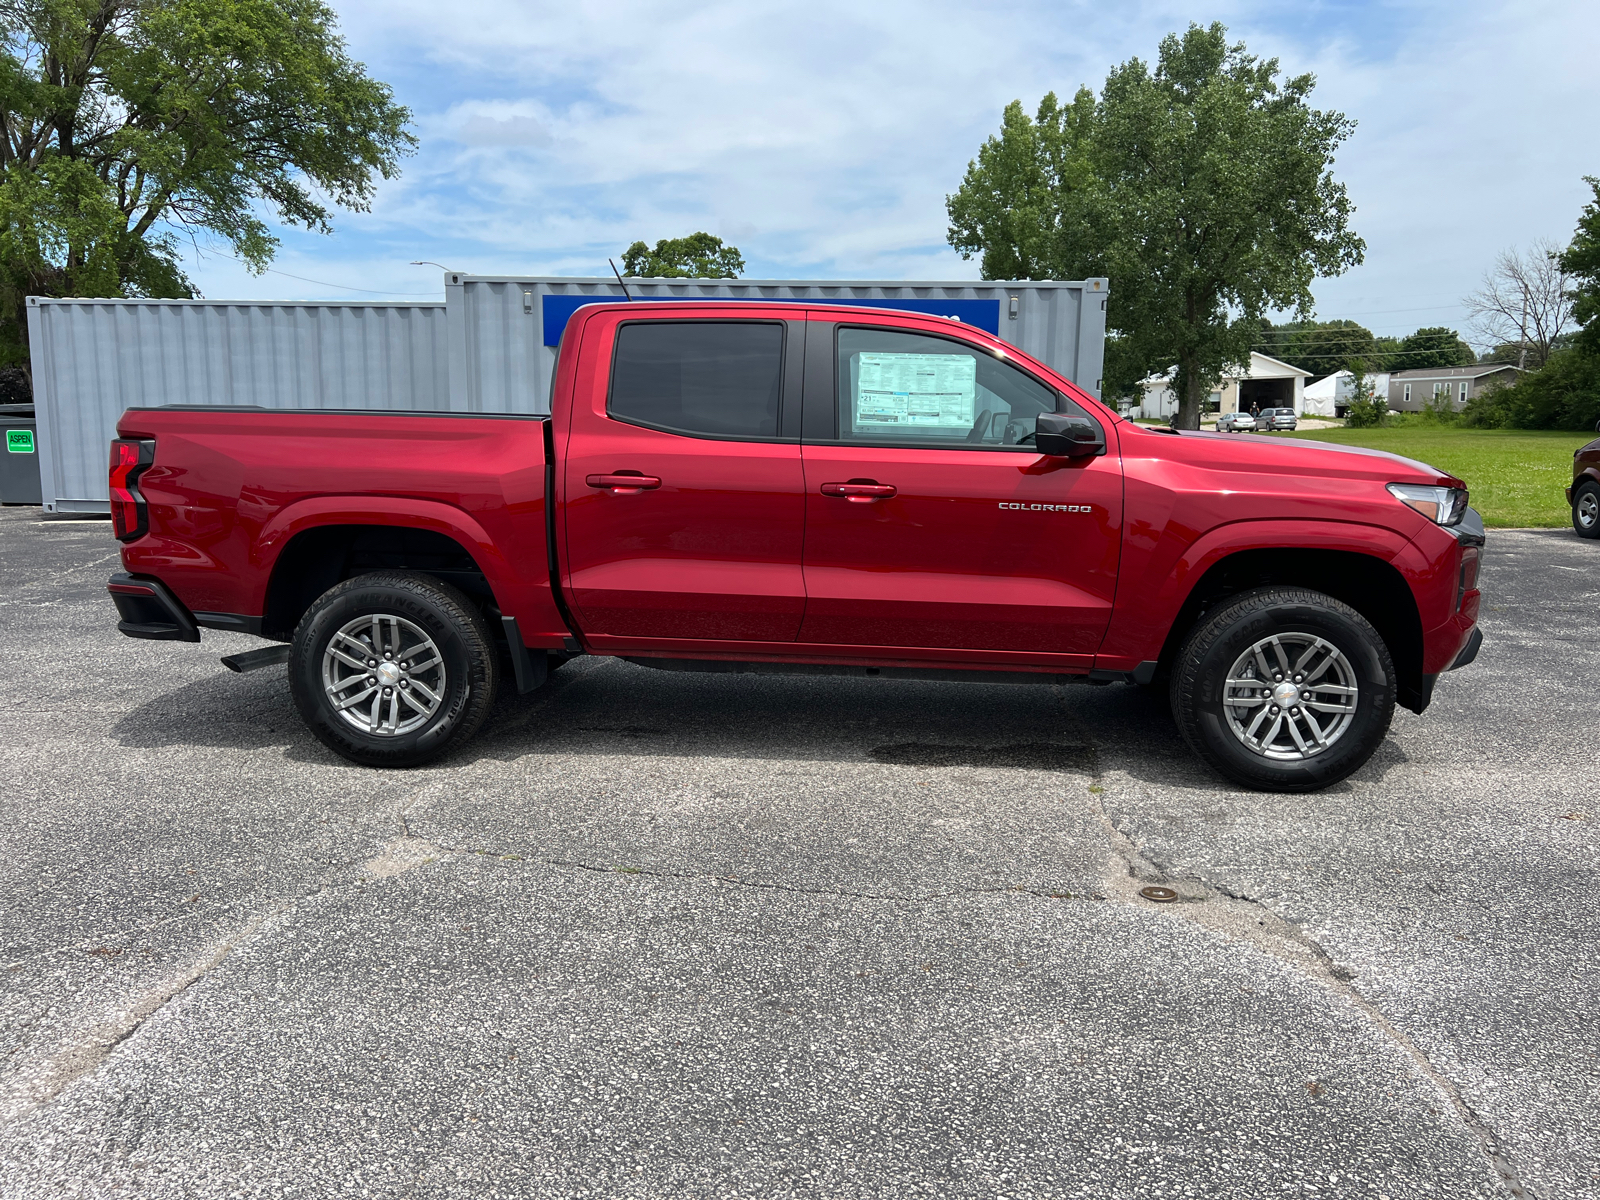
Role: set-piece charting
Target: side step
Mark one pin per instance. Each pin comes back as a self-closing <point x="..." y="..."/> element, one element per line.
<point x="255" y="660"/>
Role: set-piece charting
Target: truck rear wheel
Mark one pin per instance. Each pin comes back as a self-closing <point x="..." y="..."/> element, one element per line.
<point x="393" y="669"/>
<point x="1284" y="689"/>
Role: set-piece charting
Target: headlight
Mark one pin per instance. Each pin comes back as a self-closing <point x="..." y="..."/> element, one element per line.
<point x="1441" y="505"/>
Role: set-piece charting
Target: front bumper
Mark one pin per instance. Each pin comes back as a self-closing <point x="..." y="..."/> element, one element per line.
<point x="149" y="611"/>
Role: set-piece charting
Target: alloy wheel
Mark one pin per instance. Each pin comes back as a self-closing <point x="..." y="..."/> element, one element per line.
<point x="1290" y="696"/>
<point x="383" y="675"/>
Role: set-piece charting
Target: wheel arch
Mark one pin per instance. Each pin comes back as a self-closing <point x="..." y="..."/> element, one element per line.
<point x="309" y="552"/>
<point x="1372" y="586"/>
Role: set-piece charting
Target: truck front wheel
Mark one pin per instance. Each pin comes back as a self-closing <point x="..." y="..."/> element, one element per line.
<point x="1586" y="510"/>
<point x="1284" y="689"/>
<point x="392" y="669"/>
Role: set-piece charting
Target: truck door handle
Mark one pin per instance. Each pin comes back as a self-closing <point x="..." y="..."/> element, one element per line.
<point x="860" y="491"/>
<point x="624" y="483"/>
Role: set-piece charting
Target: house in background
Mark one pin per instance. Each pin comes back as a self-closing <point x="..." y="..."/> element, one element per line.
<point x="1330" y="396"/>
<point x="1410" y="390"/>
<point x="1266" y="382"/>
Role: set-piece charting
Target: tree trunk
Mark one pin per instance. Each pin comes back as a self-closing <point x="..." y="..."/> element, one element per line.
<point x="1188" y="416"/>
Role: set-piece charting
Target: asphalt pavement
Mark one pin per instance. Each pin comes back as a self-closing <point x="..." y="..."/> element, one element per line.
<point x="657" y="934"/>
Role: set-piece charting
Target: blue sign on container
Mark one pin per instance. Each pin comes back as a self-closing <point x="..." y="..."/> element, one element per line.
<point x="984" y="314"/>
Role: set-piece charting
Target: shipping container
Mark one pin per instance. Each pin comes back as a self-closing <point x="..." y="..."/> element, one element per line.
<point x="504" y="330"/>
<point x="94" y="358"/>
<point x="490" y="347"/>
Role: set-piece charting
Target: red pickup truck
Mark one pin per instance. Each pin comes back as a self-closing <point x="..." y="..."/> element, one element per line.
<point x="766" y="487"/>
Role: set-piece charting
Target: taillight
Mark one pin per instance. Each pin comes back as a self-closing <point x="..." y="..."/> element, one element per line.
<point x="1470" y="558"/>
<point x="130" y="459"/>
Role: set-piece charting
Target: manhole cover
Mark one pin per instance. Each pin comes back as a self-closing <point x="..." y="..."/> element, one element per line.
<point x="1160" y="895"/>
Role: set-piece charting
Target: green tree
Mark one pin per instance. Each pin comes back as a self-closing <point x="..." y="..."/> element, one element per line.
<point x="1367" y="408"/>
<point x="1581" y="262"/>
<point x="1203" y="189"/>
<point x="1565" y="392"/>
<point x="1434" y="346"/>
<point x="126" y="125"/>
<point x="1321" y="347"/>
<point x="698" y="256"/>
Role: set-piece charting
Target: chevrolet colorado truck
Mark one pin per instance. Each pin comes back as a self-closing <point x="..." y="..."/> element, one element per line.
<point x="744" y="486"/>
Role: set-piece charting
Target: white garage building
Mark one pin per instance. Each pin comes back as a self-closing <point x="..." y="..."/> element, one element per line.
<point x="1266" y="382"/>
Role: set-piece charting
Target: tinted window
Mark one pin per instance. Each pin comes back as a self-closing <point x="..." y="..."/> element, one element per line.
<point x="907" y="389"/>
<point x="708" y="378"/>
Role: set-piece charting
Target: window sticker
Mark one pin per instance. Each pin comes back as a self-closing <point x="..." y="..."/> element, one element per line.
<point x="915" y="391"/>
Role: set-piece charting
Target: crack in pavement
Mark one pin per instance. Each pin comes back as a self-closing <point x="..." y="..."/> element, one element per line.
<point x="1240" y="917"/>
<point x="91" y="1048"/>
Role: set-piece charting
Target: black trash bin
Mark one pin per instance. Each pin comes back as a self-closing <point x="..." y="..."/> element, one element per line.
<point x="19" y="461"/>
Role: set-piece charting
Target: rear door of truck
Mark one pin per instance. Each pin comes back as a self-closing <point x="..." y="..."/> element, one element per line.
<point x="683" y="496"/>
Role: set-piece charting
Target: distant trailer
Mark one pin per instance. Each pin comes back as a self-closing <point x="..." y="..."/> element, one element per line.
<point x="490" y="347"/>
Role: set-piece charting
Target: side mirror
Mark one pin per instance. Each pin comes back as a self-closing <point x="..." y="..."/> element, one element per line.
<point x="1063" y="436"/>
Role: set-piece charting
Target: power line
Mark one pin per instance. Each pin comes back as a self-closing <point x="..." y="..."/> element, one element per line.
<point x="344" y="287"/>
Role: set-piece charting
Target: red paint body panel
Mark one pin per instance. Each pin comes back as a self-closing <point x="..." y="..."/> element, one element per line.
<point x="1194" y="498"/>
<point x="739" y="554"/>
<point x="941" y="563"/>
<point x="713" y="553"/>
<point x="230" y="489"/>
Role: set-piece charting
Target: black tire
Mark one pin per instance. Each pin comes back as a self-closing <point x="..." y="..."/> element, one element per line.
<point x="1586" y="509"/>
<point x="1216" y="645"/>
<point x="465" y="648"/>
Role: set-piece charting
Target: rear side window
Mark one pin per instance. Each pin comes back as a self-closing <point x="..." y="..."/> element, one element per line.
<point x="718" y="379"/>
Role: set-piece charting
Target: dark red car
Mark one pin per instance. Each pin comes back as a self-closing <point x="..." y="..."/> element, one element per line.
<point x="766" y="487"/>
<point x="1584" y="494"/>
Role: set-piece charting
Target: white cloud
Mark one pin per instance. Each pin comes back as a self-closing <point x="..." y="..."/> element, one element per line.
<point x="503" y="131"/>
<point x="822" y="137"/>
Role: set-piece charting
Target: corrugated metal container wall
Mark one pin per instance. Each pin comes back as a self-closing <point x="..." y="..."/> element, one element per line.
<point x="504" y="330"/>
<point x="489" y="348"/>
<point x="94" y="358"/>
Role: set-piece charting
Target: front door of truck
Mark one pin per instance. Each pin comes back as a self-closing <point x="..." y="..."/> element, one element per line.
<point x="931" y="522"/>
<point x="683" y="500"/>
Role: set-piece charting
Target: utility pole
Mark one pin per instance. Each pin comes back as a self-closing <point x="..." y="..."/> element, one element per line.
<point x="1522" y="332"/>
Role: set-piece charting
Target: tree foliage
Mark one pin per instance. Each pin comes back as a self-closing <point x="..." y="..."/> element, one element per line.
<point x="1565" y="394"/>
<point x="1434" y="346"/>
<point x="1581" y="262"/>
<point x="698" y="256"/>
<point x="1202" y="188"/>
<point x="1321" y="347"/>
<point x="1367" y="408"/>
<point x="128" y="124"/>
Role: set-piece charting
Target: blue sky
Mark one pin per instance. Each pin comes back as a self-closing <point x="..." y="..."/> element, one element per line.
<point x="823" y="137"/>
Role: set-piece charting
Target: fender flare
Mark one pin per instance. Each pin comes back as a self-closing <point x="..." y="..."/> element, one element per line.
<point x="1143" y="625"/>
<point x="398" y="511"/>
<point x="1275" y="533"/>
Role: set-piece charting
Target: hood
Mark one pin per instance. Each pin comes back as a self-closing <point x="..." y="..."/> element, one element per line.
<point x="1296" y="456"/>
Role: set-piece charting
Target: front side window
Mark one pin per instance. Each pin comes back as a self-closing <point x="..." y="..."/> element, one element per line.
<point x="898" y="388"/>
<point x="717" y="379"/>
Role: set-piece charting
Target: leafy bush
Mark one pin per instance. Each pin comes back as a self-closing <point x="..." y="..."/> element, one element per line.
<point x="1564" y="395"/>
<point x="1365" y="414"/>
<point x="15" y="386"/>
<point x="1367" y="408"/>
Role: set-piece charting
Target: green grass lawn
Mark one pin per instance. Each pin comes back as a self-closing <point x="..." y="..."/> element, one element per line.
<point x="1518" y="477"/>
